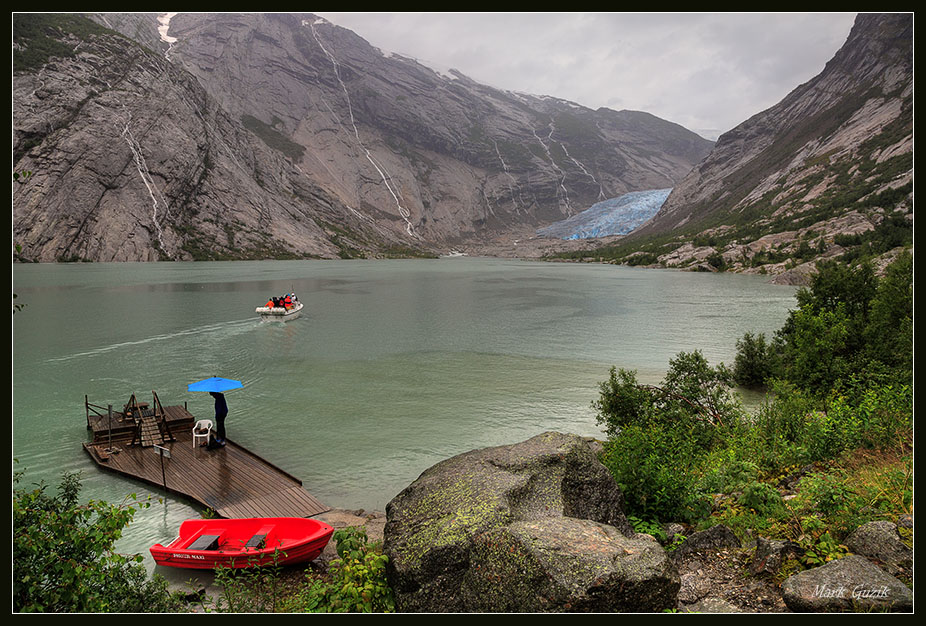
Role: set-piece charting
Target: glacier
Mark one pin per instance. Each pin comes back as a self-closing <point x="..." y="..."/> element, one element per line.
<point x="615" y="216"/>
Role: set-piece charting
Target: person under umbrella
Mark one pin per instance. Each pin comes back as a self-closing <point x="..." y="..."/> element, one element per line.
<point x="216" y="388"/>
<point x="221" y="412"/>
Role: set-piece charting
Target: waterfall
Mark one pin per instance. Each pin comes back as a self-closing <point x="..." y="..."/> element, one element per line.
<point x="145" y="174"/>
<point x="403" y="212"/>
<point x="512" y="179"/>
<point x="556" y="167"/>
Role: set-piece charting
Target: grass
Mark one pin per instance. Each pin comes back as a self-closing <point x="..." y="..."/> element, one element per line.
<point x="38" y="37"/>
<point x="273" y="138"/>
<point x="830" y="502"/>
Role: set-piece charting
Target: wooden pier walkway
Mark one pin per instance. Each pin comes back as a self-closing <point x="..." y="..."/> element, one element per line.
<point x="154" y="444"/>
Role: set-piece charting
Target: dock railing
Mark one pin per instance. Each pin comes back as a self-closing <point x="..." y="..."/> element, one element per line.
<point x="97" y="410"/>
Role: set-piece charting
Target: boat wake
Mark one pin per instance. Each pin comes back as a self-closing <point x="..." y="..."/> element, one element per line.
<point x="236" y="326"/>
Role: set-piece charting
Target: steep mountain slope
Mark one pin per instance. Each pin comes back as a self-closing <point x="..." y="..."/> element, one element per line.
<point x="278" y="135"/>
<point x="442" y="156"/>
<point x="132" y="161"/>
<point x="831" y="161"/>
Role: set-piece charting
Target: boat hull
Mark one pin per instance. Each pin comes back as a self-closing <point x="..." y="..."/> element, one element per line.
<point x="239" y="543"/>
<point x="279" y="313"/>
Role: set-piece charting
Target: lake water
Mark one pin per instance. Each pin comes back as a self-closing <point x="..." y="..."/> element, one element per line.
<point x="393" y="366"/>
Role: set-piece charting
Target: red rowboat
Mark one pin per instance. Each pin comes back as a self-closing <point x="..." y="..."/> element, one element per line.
<point x="248" y="542"/>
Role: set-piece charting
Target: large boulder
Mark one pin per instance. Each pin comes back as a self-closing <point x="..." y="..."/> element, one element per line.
<point x="851" y="583"/>
<point x="881" y="541"/>
<point x="535" y="526"/>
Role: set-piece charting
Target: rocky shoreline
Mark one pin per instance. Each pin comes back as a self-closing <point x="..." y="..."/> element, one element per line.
<point x="539" y="526"/>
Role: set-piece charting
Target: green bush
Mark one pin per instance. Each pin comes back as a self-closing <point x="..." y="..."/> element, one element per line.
<point x="762" y="498"/>
<point x="729" y="472"/>
<point x="876" y="419"/>
<point x="250" y="589"/>
<point x="658" y="470"/>
<point x="661" y="437"/>
<point x="848" y="324"/>
<point x="889" y="333"/>
<point x="829" y="493"/>
<point x="622" y="402"/>
<point x="839" y="373"/>
<point x="356" y="582"/>
<point x="754" y="362"/>
<point x="779" y="427"/>
<point x="795" y="427"/>
<point x="63" y="557"/>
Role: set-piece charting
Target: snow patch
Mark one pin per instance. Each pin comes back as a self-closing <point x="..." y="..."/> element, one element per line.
<point x="164" y="26"/>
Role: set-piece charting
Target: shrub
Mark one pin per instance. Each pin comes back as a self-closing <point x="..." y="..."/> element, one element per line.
<point x="730" y="473"/>
<point x="762" y="498"/>
<point x="753" y="364"/>
<point x="622" y="402"/>
<point x="661" y="437"/>
<point x="63" y="557"/>
<point x="250" y="589"/>
<point x="356" y="582"/>
<point x="780" y="425"/>
<point x="829" y="493"/>
<point x="658" y="470"/>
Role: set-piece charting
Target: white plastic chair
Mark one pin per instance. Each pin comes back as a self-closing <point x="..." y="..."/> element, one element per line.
<point x="202" y="430"/>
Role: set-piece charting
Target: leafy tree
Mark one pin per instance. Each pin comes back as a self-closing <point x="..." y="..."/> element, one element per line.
<point x="754" y="362"/>
<point x="889" y="334"/>
<point x="622" y="402"/>
<point x="836" y="284"/>
<point x="660" y="436"/>
<point x="818" y="352"/>
<point x="63" y="557"/>
<point x="699" y="391"/>
<point x="848" y="324"/>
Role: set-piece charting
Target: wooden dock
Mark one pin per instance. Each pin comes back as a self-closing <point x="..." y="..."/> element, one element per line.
<point x="154" y="444"/>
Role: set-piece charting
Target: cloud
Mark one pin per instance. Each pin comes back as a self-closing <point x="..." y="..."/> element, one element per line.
<point x="705" y="71"/>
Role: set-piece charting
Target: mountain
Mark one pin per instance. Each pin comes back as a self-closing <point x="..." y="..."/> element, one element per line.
<point x="283" y="135"/>
<point x="132" y="160"/>
<point x="825" y="170"/>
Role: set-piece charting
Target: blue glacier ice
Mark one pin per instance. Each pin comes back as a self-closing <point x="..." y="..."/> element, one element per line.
<point x="617" y="216"/>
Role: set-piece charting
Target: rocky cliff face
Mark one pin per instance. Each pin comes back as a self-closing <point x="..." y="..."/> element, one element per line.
<point x="132" y="160"/>
<point x="441" y="157"/>
<point x="256" y="136"/>
<point x="838" y="145"/>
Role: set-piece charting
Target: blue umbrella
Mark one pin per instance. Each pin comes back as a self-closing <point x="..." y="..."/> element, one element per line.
<point x="214" y="384"/>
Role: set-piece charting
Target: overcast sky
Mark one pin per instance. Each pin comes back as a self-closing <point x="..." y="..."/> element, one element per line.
<point x="705" y="71"/>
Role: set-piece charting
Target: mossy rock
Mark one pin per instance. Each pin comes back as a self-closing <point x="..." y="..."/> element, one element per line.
<point x="549" y="490"/>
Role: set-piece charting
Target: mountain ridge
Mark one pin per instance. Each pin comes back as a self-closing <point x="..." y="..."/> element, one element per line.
<point x="316" y="145"/>
<point x="824" y="171"/>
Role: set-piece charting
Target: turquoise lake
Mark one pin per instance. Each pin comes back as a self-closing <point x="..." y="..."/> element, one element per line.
<point x="392" y="367"/>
